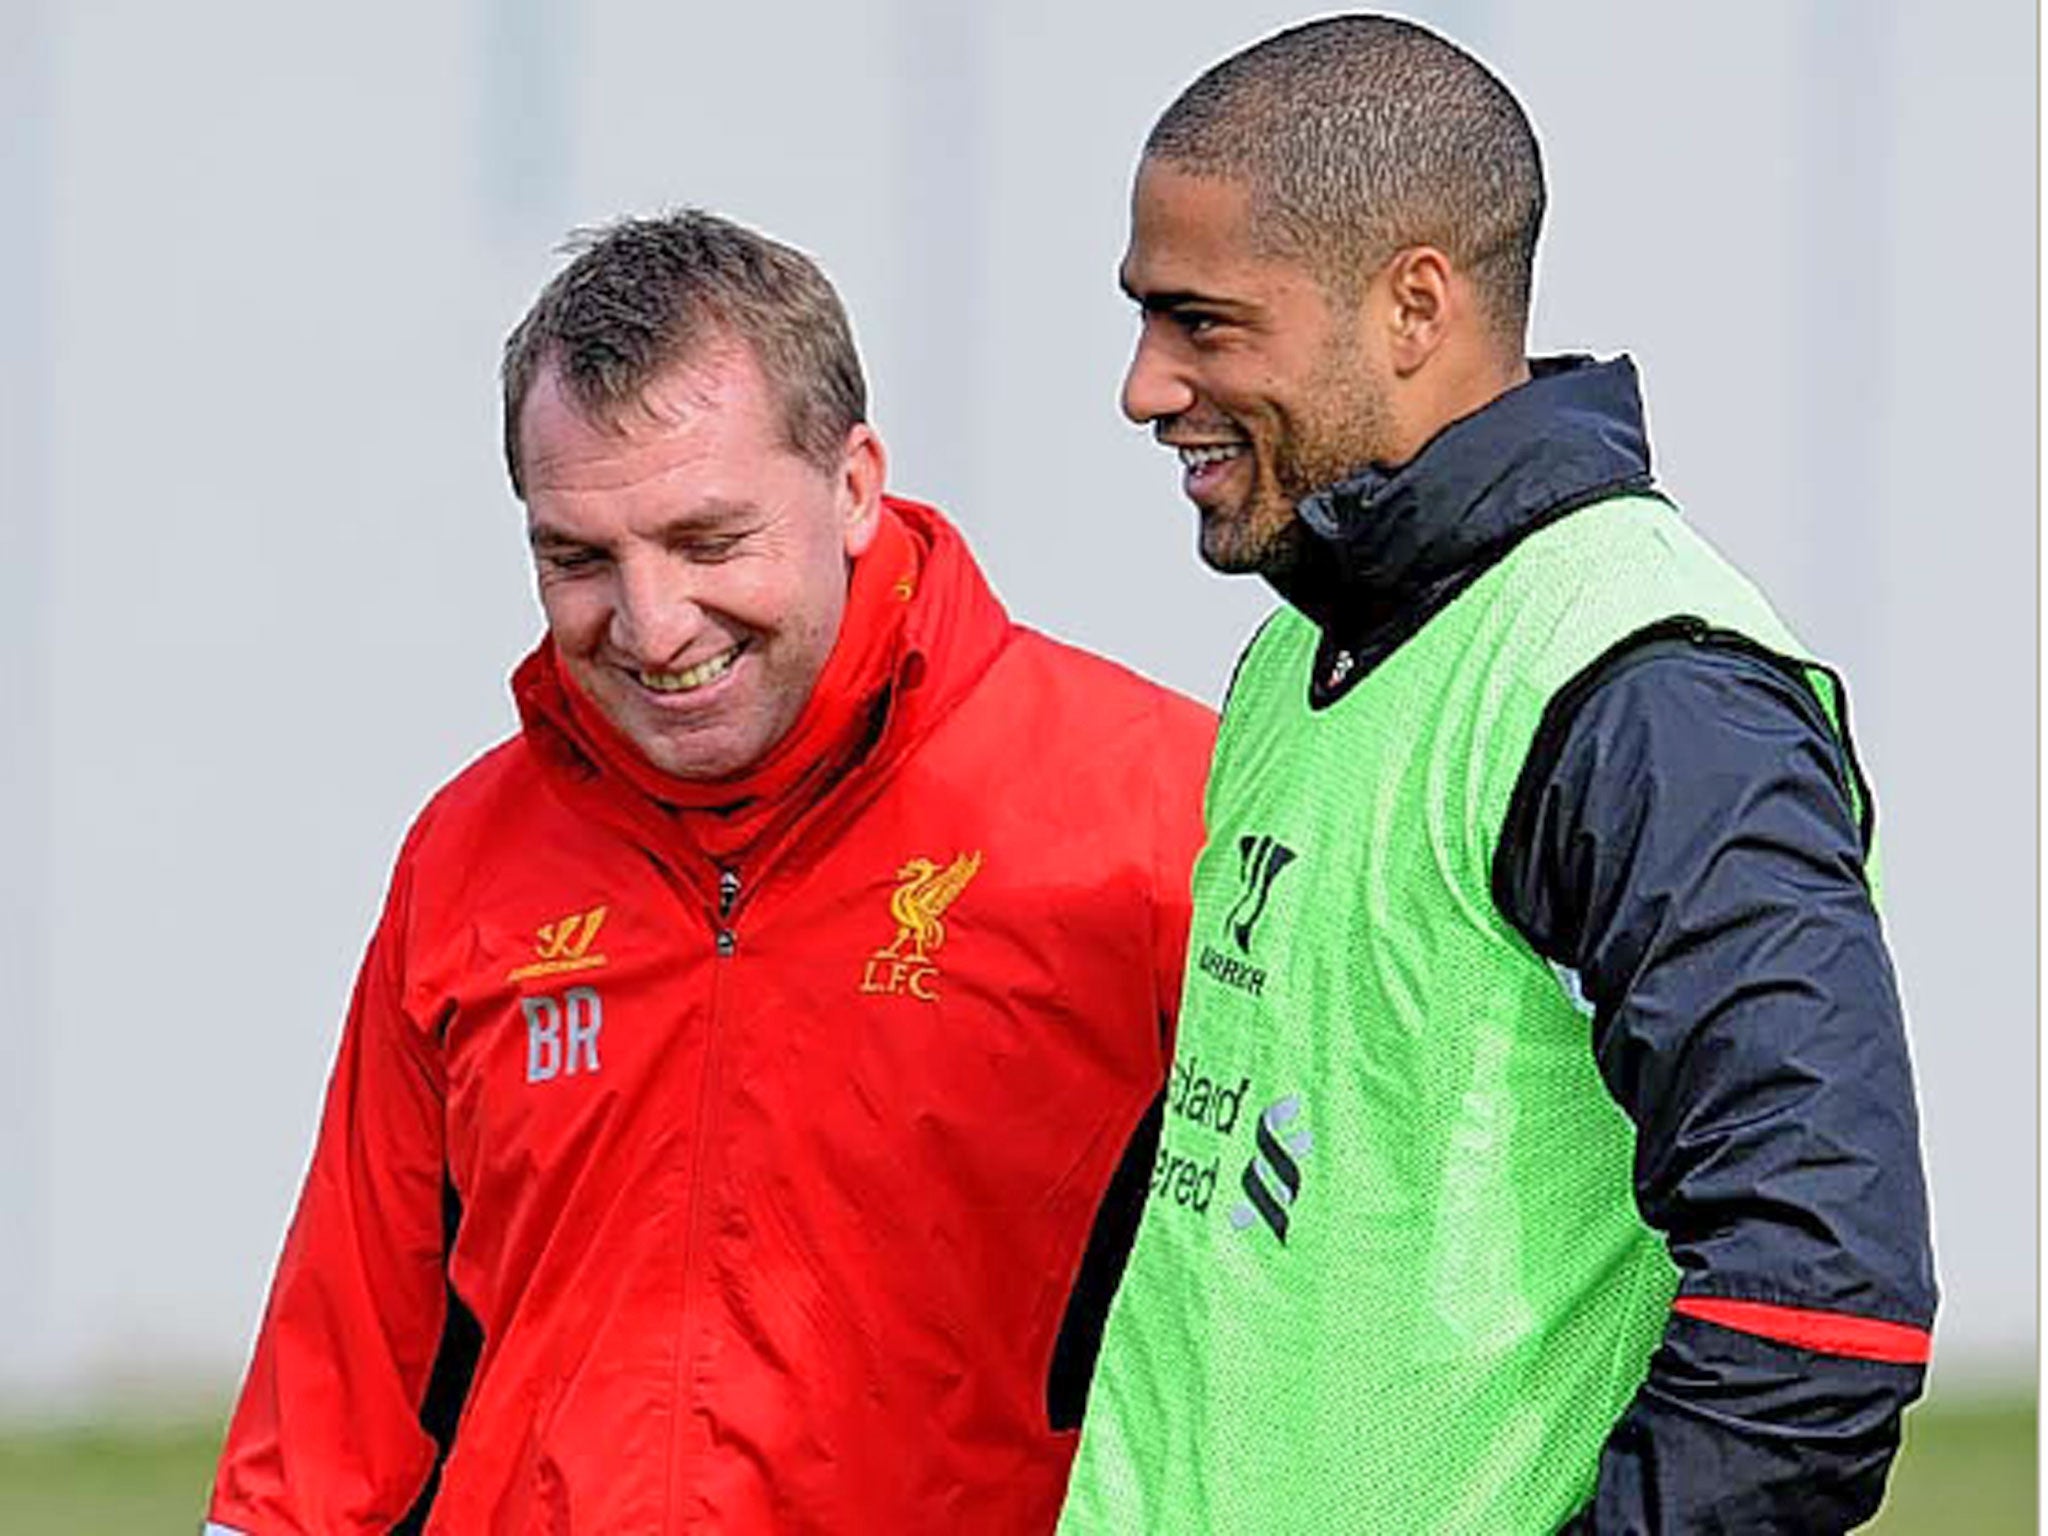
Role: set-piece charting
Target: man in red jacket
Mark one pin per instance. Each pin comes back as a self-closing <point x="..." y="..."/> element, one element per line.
<point x="723" y="1132"/>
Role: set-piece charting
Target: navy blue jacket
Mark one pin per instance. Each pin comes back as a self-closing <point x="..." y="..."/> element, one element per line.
<point x="1684" y="836"/>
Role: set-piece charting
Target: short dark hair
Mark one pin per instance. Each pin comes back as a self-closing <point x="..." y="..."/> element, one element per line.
<point x="645" y="295"/>
<point x="1359" y="136"/>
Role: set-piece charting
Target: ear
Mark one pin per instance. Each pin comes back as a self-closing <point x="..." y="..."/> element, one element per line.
<point x="863" y="470"/>
<point x="1424" y="302"/>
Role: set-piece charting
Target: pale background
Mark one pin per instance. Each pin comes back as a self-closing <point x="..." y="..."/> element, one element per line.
<point x="264" y="579"/>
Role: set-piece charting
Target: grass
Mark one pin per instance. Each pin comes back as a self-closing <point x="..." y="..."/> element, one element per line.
<point x="1967" y="1467"/>
<point x="125" y="1481"/>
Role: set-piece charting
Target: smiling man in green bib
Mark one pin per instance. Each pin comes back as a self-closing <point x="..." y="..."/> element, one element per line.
<point x="1541" y="1150"/>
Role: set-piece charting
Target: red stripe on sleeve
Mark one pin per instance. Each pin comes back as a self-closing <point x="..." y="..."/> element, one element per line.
<point x="1828" y="1333"/>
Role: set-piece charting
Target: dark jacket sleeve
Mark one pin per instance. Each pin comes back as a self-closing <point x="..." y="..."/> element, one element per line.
<point x="1684" y="837"/>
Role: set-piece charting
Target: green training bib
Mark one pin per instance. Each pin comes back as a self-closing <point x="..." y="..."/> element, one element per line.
<point x="1391" y="1277"/>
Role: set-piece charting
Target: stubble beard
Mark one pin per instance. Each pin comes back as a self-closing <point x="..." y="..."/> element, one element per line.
<point x="1266" y="537"/>
<point x="1344" y="423"/>
<point x="1350" y="432"/>
<point x="1259" y="537"/>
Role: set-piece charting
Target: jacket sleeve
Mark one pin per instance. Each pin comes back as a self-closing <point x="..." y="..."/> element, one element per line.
<point x="1187" y="740"/>
<point x="1179" y="753"/>
<point x="1684" y="837"/>
<point x="326" y="1439"/>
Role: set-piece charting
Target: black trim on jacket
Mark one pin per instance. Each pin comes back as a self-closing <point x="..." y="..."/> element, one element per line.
<point x="1115" y="1228"/>
<point x="448" y="1384"/>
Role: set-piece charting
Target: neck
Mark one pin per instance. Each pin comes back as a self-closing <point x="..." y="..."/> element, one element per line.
<point x="1459" y="383"/>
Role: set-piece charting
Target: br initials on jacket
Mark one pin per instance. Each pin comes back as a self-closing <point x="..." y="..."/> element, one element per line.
<point x="904" y="964"/>
<point x="561" y="1032"/>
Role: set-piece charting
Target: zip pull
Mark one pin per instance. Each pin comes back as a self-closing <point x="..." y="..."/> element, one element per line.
<point x="728" y="895"/>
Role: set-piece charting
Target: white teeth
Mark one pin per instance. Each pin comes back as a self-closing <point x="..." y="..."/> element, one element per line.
<point x="1199" y="458"/>
<point x="690" y="677"/>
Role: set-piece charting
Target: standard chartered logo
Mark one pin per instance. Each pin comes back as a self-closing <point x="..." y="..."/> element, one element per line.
<point x="1187" y="1169"/>
<point x="1272" y="1179"/>
<point x="1195" y="1098"/>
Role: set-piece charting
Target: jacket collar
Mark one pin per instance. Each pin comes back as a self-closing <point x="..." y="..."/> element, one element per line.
<point x="951" y="635"/>
<point x="1389" y="547"/>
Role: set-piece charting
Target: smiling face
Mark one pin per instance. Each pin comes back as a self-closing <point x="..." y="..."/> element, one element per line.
<point x="1266" y="383"/>
<point x="691" y="564"/>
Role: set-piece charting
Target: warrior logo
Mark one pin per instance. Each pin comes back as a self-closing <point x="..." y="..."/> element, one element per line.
<point x="1260" y="860"/>
<point x="565" y="946"/>
<point x="904" y="964"/>
<point x="1272" y="1179"/>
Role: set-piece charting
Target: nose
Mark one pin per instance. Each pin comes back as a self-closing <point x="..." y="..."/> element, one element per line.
<point x="658" y="611"/>
<point x="1155" y="387"/>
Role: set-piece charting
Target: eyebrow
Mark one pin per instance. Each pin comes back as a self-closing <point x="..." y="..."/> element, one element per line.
<point x="539" y="534"/>
<point x="1161" y="300"/>
<point x="709" y="515"/>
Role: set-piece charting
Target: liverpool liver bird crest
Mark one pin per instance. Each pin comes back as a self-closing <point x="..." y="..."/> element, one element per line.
<point x="926" y="891"/>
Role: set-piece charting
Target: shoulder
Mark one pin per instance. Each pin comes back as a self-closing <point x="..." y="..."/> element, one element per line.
<point x="1590" y="583"/>
<point x="1083" y="686"/>
<point x="1682" y="739"/>
<point x="1694" y="701"/>
<point x="496" y="789"/>
<point x="1675" y="767"/>
<point x="1074" y="740"/>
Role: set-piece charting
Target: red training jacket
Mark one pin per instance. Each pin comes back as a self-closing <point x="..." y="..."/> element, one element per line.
<point x="767" y="1199"/>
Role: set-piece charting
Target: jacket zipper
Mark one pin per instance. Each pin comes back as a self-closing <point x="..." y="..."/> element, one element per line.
<point x="728" y="896"/>
<point x="682" y="1455"/>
